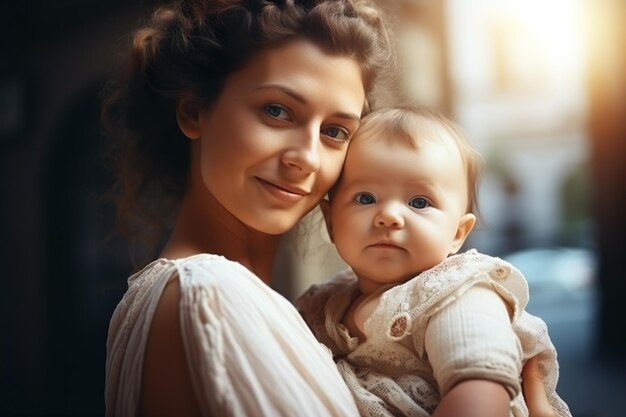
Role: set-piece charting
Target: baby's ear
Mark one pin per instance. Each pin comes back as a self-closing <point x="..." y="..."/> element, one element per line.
<point x="188" y="117"/>
<point x="466" y="224"/>
<point x="325" y="206"/>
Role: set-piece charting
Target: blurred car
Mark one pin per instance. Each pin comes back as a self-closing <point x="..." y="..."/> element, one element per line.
<point x="570" y="269"/>
<point x="561" y="283"/>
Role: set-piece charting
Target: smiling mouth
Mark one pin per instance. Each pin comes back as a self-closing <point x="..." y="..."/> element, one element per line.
<point x="283" y="192"/>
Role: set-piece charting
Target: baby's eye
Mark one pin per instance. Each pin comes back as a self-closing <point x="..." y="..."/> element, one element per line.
<point x="419" y="203"/>
<point x="336" y="133"/>
<point x="276" y="111"/>
<point x="364" y="198"/>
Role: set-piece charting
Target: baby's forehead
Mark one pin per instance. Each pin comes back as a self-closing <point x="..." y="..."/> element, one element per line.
<point x="390" y="138"/>
<point x="380" y="152"/>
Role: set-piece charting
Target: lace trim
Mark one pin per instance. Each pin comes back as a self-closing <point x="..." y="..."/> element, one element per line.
<point x="404" y="310"/>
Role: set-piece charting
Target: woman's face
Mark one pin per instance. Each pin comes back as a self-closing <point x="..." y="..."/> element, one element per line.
<point x="275" y="140"/>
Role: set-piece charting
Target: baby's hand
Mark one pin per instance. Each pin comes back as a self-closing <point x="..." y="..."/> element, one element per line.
<point x="534" y="390"/>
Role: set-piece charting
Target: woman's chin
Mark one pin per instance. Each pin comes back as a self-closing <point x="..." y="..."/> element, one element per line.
<point x="275" y="228"/>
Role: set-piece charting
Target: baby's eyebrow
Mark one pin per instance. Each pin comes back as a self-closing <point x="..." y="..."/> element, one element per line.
<point x="362" y="183"/>
<point x="349" y="116"/>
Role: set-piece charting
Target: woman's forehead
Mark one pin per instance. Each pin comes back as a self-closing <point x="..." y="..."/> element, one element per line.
<point x="303" y="70"/>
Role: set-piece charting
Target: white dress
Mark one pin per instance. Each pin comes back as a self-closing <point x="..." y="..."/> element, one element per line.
<point x="446" y="325"/>
<point x="250" y="352"/>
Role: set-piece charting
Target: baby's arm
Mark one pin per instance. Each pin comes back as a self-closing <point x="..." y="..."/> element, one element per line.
<point x="475" y="398"/>
<point x="535" y="390"/>
<point x="475" y="355"/>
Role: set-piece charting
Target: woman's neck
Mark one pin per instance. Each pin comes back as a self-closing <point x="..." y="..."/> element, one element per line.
<point x="209" y="228"/>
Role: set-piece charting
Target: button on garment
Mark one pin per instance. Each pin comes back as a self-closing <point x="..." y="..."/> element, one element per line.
<point x="447" y="324"/>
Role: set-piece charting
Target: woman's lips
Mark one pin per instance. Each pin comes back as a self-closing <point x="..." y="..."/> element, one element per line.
<point x="282" y="191"/>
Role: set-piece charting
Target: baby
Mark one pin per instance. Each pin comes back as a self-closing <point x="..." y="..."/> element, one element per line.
<point x="416" y="329"/>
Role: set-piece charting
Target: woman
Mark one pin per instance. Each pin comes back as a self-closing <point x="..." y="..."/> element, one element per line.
<point x="240" y="113"/>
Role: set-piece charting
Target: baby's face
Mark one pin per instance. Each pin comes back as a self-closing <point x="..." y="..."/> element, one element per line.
<point x="399" y="211"/>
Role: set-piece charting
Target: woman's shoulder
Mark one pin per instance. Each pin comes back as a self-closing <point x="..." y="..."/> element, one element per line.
<point x="203" y="277"/>
<point x="208" y="275"/>
<point x="200" y="260"/>
<point x="209" y="266"/>
<point x="204" y="300"/>
<point x="203" y="268"/>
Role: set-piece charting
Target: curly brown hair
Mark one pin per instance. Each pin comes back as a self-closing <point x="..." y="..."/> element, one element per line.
<point x="191" y="47"/>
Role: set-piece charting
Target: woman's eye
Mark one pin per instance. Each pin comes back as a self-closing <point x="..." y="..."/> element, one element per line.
<point x="419" y="203"/>
<point x="276" y="111"/>
<point x="364" y="198"/>
<point x="336" y="133"/>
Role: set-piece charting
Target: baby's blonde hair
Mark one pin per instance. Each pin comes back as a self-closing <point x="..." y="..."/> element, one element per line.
<point x="408" y="125"/>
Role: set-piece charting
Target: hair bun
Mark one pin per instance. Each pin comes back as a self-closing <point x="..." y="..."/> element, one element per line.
<point x="146" y="40"/>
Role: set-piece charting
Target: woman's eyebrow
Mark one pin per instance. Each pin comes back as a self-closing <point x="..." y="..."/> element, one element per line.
<point x="300" y="99"/>
<point x="293" y="94"/>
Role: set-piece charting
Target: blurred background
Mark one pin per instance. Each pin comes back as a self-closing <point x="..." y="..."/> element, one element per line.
<point x="539" y="86"/>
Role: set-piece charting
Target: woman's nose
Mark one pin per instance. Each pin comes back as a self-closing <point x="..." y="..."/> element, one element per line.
<point x="304" y="153"/>
<point x="389" y="216"/>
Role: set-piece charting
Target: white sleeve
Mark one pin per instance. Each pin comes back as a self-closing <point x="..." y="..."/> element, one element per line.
<point x="472" y="338"/>
<point x="250" y="352"/>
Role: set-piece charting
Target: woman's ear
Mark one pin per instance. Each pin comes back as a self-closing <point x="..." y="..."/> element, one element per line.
<point x="325" y="206"/>
<point x="466" y="224"/>
<point x="188" y="117"/>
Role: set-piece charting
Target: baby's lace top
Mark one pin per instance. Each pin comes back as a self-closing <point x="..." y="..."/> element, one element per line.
<point x="445" y="325"/>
